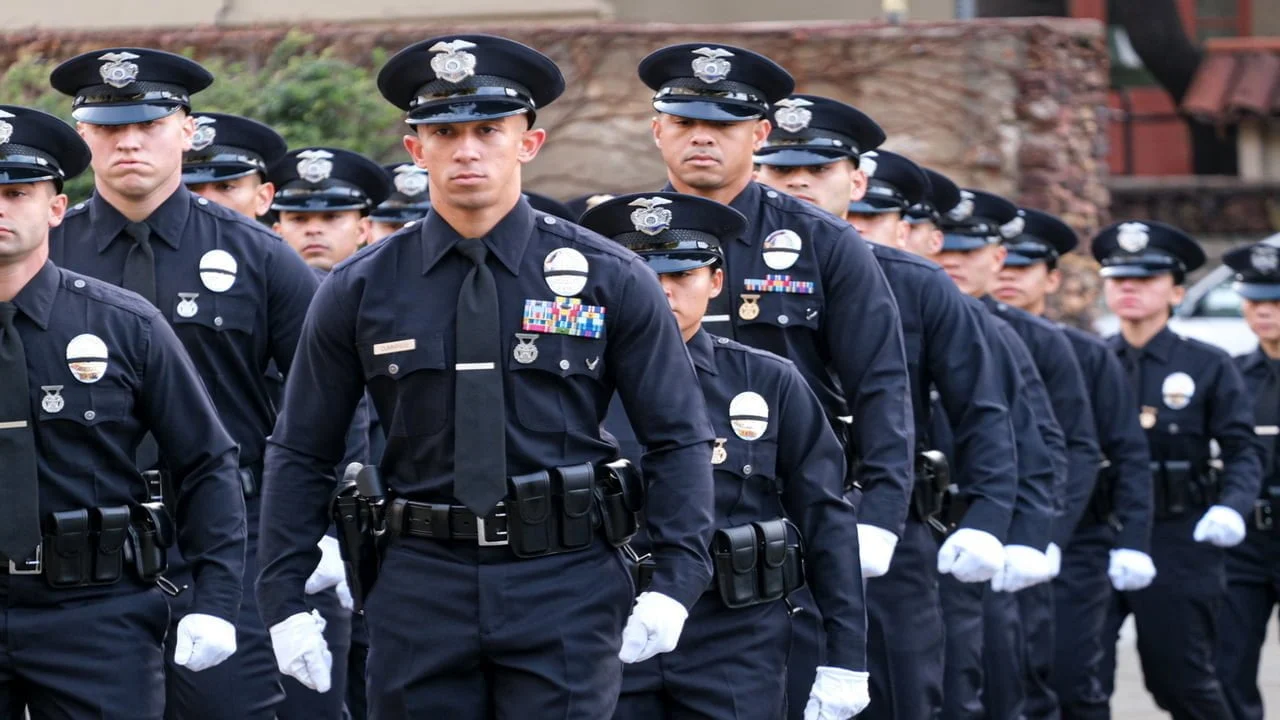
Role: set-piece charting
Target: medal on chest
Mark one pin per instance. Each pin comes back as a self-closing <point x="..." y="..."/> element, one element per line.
<point x="527" y="351"/>
<point x="187" y="307"/>
<point x="1147" y="418"/>
<point x="52" y="401"/>
<point x="749" y="309"/>
<point x="719" y="454"/>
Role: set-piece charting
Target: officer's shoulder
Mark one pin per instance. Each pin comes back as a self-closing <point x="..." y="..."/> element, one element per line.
<point x="367" y="254"/>
<point x="1029" y="320"/>
<point x="1202" y="349"/>
<point x="76" y="211"/>
<point x="893" y="255"/>
<point x="589" y="241"/>
<point x="807" y="211"/>
<point x="104" y="293"/>
<point x="241" y="223"/>
<point x="756" y="355"/>
<point x="1081" y="337"/>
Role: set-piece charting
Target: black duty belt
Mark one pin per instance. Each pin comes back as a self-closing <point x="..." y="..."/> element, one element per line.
<point x="438" y="521"/>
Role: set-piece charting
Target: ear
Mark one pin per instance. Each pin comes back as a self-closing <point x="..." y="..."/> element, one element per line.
<point x="413" y="145"/>
<point x="935" y="241"/>
<point x="364" y="231"/>
<point x="857" y="184"/>
<point x="717" y="282"/>
<point x="998" y="256"/>
<point x="57" y="208"/>
<point x="530" y="143"/>
<point x="655" y="126"/>
<point x="188" y="131"/>
<point x="902" y="232"/>
<point x="82" y="130"/>
<point x="279" y="230"/>
<point x="1178" y="294"/>
<point x="1053" y="281"/>
<point x="266" y="193"/>
<point x="760" y="133"/>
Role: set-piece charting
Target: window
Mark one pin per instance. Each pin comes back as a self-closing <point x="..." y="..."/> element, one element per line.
<point x="1217" y="18"/>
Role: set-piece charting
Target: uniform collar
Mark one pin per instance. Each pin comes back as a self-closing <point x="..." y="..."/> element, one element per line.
<point x="1257" y="358"/>
<point x="702" y="350"/>
<point x="507" y="240"/>
<point x="1159" y="347"/>
<point x="35" y="299"/>
<point x="748" y="203"/>
<point x="168" y="222"/>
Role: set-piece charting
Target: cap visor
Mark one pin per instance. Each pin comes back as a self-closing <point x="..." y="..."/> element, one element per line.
<point x="122" y="114"/>
<point x="700" y="109"/>
<point x="962" y="243"/>
<point x="461" y="112"/>
<point x="1132" y="271"/>
<point x="663" y="263"/>
<point x="23" y="174"/>
<point x="799" y="157"/>
<point x="200" y="174"/>
<point x="1019" y="260"/>
<point x="1258" y="292"/>
<point x="872" y="207"/>
<point x="314" y="204"/>
<point x="393" y="217"/>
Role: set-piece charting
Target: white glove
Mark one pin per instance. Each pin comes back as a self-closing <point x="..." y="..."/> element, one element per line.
<point x="1221" y="526"/>
<point x="301" y="651"/>
<point x="1054" y="553"/>
<point x="203" y="641"/>
<point x="1024" y="566"/>
<point x="1130" y="570"/>
<point x="654" y="627"/>
<point x="344" y="596"/>
<point x="875" y="549"/>
<point x="837" y="694"/>
<point x="330" y="570"/>
<point x="971" y="555"/>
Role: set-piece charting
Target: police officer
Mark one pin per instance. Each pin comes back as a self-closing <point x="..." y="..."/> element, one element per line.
<point x="408" y="202"/>
<point x="1253" y="566"/>
<point x="491" y="338"/>
<point x="731" y="657"/>
<point x="234" y="294"/>
<point x="808" y="154"/>
<point x="1189" y="394"/>
<point x="85" y="370"/>
<point x="228" y="162"/>
<point x="800" y="283"/>
<point x="1109" y="545"/>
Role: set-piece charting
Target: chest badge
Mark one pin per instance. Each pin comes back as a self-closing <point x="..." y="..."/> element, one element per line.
<point x="52" y="401"/>
<point x="1147" y="418"/>
<point x="527" y="351"/>
<point x="565" y="271"/>
<point x="749" y="309"/>
<point x="749" y="415"/>
<point x="718" y="453"/>
<point x="1178" y="389"/>
<point x="187" y="307"/>
<point x="87" y="358"/>
<point x="781" y="249"/>
<point x="218" y="270"/>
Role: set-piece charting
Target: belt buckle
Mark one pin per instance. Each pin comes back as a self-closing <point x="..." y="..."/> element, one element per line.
<point x="27" y="570"/>
<point x="482" y="531"/>
<point x="1263" y="515"/>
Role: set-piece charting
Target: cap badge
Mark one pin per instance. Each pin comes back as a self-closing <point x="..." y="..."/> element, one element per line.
<point x="6" y="132"/>
<point x="649" y="217"/>
<point x="1013" y="228"/>
<point x="868" y="162"/>
<point x="793" y="114"/>
<point x="963" y="209"/>
<point x="205" y="133"/>
<point x="710" y="66"/>
<point x="315" y="165"/>
<point x="1264" y="259"/>
<point x="410" y="179"/>
<point x="1132" y="237"/>
<point x="117" y="71"/>
<point x="453" y="63"/>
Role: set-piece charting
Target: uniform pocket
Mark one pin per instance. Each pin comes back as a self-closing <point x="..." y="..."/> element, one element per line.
<point x="219" y="313"/>
<point x="412" y="371"/>
<point x="556" y="380"/>
<point x="781" y="309"/>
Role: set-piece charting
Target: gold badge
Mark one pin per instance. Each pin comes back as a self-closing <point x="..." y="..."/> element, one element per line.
<point x="749" y="310"/>
<point x="1147" y="418"/>
<point x="718" y="453"/>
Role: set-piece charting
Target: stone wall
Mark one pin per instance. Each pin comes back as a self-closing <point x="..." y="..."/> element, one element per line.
<point x="1014" y="106"/>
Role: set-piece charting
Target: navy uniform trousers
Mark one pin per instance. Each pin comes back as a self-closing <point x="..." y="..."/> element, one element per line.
<point x="1253" y="591"/>
<point x="1082" y="598"/>
<point x="470" y="633"/>
<point x="964" y="623"/>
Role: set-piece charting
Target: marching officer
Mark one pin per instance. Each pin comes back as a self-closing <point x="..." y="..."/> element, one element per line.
<point x="228" y="162"/>
<point x="408" y="202"/>
<point x="1189" y="394"/>
<point x="730" y="662"/>
<point x="1253" y="566"/>
<point x="1110" y="543"/>
<point x="85" y="370"/>
<point x="808" y="154"/>
<point x="234" y="294"/>
<point x="490" y="337"/>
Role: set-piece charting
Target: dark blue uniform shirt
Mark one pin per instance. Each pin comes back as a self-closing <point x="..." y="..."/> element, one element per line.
<point x="385" y="319"/>
<point x="1262" y="381"/>
<point x="802" y="284"/>
<point x="87" y="437"/>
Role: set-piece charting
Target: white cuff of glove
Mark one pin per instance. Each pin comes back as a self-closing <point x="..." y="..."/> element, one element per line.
<point x="1054" y="554"/>
<point x="203" y="641"/>
<point x="301" y="651"/>
<point x="837" y="694"/>
<point x="971" y="555"/>
<point x="1024" y="566"/>
<point x="653" y="628"/>
<point x="1220" y="526"/>
<point x="329" y="571"/>
<point x="1130" y="570"/>
<point x="875" y="549"/>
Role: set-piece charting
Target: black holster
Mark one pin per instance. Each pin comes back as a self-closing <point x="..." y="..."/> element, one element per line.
<point x="361" y="538"/>
<point x="151" y="534"/>
<point x="1182" y="486"/>
<point x="757" y="563"/>
<point x="933" y="478"/>
<point x="620" y="498"/>
<point x="1102" y="503"/>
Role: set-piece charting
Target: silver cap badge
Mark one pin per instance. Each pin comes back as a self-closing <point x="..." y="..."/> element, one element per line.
<point x="1264" y="259"/>
<point x="710" y="66"/>
<point x="117" y="71"/>
<point x="410" y="179"/>
<point x="315" y="165"/>
<point x="1132" y="237"/>
<point x="205" y="133"/>
<point x="793" y="114"/>
<point x="454" y="64"/>
<point x="650" y="217"/>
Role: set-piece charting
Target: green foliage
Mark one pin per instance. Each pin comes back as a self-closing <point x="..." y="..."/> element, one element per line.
<point x="310" y="98"/>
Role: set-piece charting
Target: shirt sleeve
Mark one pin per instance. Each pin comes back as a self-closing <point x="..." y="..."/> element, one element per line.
<point x="1124" y="444"/>
<point x="1042" y="453"/>
<point x="1231" y="424"/>
<point x="1071" y="408"/>
<point x="291" y="285"/>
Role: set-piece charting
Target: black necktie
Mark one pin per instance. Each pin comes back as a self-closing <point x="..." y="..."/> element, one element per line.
<point x="1132" y="358"/>
<point x="20" y="507"/>
<point x="480" y="425"/>
<point x="140" y="265"/>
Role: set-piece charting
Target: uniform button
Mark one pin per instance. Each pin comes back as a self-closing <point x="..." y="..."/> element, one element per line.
<point x="203" y="201"/>
<point x="393" y="368"/>
<point x="218" y="321"/>
<point x="771" y="194"/>
<point x="78" y="283"/>
<point x="564" y="364"/>
<point x="783" y="319"/>
<point x="411" y="223"/>
<point x="723" y="341"/>
<point x="1173" y="427"/>
<point x="79" y="206"/>
<point x="549" y="220"/>
<point x="746" y="469"/>
<point x="89" y="414"/>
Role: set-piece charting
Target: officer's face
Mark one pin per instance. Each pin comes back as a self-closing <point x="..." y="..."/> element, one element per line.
<point x="27" y="211"/>
<point x="688" y="294"/>
<point x="974" y="272"/>
<point x="324" y="239"/>
<point x="881" y="228"/>
<point x="379" y="230"/>
<point x="923" y="239"/>
<point x="248" y="195"/>
<point x="1136" y="299"/>
<point x="828" y="186"/>
<point x="1263" y="317"/>
<point x="705" y="155"/>
<point x="1026" y="287"/>
<point x="475" y="165"/>
<point x="139" y="159"/>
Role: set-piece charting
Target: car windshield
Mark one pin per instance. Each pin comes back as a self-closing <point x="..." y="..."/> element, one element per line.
<point x="1221" y="301"/>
